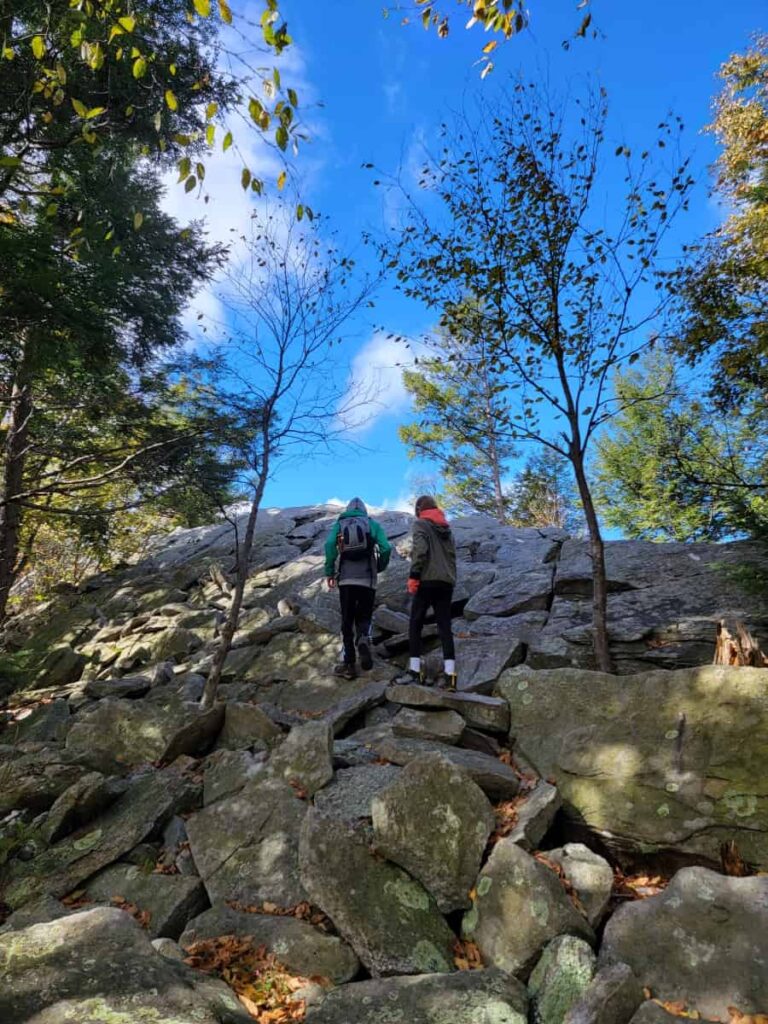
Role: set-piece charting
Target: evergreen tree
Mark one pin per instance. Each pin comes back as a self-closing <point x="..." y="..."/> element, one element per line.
<point x="543" y="494"/>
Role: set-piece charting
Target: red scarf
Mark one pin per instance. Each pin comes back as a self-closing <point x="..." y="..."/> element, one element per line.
<point x="434" y="515"/>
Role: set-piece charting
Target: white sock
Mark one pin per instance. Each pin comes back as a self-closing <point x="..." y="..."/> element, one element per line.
<point x="450" y="667"/>
<point x="414" y="664"/>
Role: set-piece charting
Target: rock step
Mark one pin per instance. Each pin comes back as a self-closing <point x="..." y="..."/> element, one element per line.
<point x="490" y="714"/>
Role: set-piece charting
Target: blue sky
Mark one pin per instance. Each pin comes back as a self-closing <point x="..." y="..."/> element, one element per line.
<point x="375" y="91"/>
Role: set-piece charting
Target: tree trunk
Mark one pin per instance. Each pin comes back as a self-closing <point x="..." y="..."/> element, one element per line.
<point x="599" y="581"/>
<point x="14" y="460"/>
<point x="735" y="645"/>
<point x="230" y="626"/>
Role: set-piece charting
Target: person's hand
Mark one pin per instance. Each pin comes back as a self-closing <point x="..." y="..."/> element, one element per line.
<point x="412" y="586"/>
<point x="331" y="582"/>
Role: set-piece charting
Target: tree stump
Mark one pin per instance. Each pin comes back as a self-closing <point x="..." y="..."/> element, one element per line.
<point x="735" y="645"/>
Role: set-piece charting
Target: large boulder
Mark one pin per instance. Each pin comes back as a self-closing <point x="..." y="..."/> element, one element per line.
<point x="703" y="941"/>
<point x="481" y="660"/>
<point x="300" y="947"/>
<point x="434" y="821"/>
<point x="471" y="997"/>
<point x="245" y="845"/>
<point x="519" y="906"/>
<point x="612" y="998"/>
<point x="34" y="781"/>
<point x="99" y="967"/>
<point x="351" y="794"/>
<point x="168" y="900"/>
<point x="117" y="734"/>
<point x="388" y="918"/>
<point x="590" y="876"/>
<point x="141" y="811"/>
<point x="481" y="712"/>
<point x="246" y="726"/>
<point x="513" y="591"/>
<point x="656" y="761"/>
<point x="559" y="979"/>
<point x="305" y="758"/>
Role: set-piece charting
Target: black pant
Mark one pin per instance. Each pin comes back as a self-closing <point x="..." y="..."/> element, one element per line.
<point x="356" y="615"/>
<point x="438" y="596"/>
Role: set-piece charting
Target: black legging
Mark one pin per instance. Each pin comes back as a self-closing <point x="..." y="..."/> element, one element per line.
<point x="356" y="614"/>
<point x="438" y="596"/>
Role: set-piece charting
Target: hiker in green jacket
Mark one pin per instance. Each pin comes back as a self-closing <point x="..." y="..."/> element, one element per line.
<point x="430" y="582"/>
<point x="362" y="550"/>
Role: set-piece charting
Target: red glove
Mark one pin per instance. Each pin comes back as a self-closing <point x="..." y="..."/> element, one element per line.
<point x="412" y="586"/>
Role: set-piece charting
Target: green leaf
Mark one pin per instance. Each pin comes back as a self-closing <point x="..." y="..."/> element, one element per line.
<point x="38" y="47"/>
<point x="139" y="67"/>
<point x="128" y="23"/>
<point x="203" y="7"/>
<point x="210" y="110"/>
<point x="170" y="99"/>
<point x="138" y="220"/>
<point x="293" y="98"/>
<point x="94" y="112"/>
<point x="245" y="178"/>
<point x="300" y="212"/>
<point x="281" y="137"/>
<point x="227" y="142"/>
<point x="190" y="183"/>
<point x="10" y="161"/>
<point x="210" y="134"/>
<point x="185" y="167"/>
<point x="80" y="108"/>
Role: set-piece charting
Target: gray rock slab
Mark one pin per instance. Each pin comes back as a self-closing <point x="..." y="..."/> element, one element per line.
<point x="144" y="808"/>
<point x="350" y="794"/>
<point x="490" y="714"/>
<point x="305" y="757"/>
<point x="481" y="660"/>
<point x="80" y="803"/>
<point x="99" y="966"/>
<point x="388" y="918"/>
<point x="511" y="592"/>
<point x="469" y="997"/>
<point x="48" y="723"/>
<point x="245" y="846"/>
<point x="126" y="686"/>
<point x="590" y="875"/>
<point x="228" y="771"/>
<point x="519" y="907"/>
<point x="612" y="998"/>
<point x="535" y="815"/>
<point x="368" y="696"/>
<point x="45" y="908"/>
<point x="562" y="975"/>
<point x="170" y="900"/>
<point x="704" y="940"/>
<point x="442" y="726"/>
<point x="434" y="821"/>
<point x="247" y="726"/>
<point x="301" y="948"/>
<point x="33" y="781"/>
<point x="655" y="761"/>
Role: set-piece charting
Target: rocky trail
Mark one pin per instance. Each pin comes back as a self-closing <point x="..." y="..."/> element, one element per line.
<point x="547" y="845"/>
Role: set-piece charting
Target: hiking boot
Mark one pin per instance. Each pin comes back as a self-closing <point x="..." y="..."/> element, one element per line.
<point x="364" y="650"/>
<point x="346" y="670"/>
<point x="449" y="681"/>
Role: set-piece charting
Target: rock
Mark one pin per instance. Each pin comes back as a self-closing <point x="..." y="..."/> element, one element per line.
<point x="559" y="979"/>
<point x="126" y="686"/>
<point x="61" y="666"/>
<point x="612" y="998"/>
<point x="535" y="816"/>
<point x="168" y="948"/>
<point x="651" y="1013"/>
<point x="341" y="714"/>
<point x="656" y="761"/>
<point x="480" y="662"/>
<point x="246" y="725"/>
<point x="245" y="846"/>
<point x="392" y="622"/>
<point x="704" y="940"/>
<point x="480" y="712"/>
<point x="99" y="966"/>
<point x="495" y="778"/>
<point x="149" y="803"/>
<point x="45" y="908"/>
<point x="352" y="791"/>
<point x="469" y="997"/>
<point x="190" y="686"/>
<point x="305" y="757"/>
<point x="473" y="739"/>
<point x="120" y="733"/>
<point x="511" y="592"/>
<point x="442" y="726"/>
<point x="390" y="921"/>
<point x="48" y="723"/>
<point x="34" y="781"/>
<point x="170" y="900"/>
<point x="299" y="947"/>
<point x="590" y="875"/>
<point x="434" y="821"/>
<point x="228" y="771"/>
<point x="80" y="803"/>
<point x="519" y="907"/>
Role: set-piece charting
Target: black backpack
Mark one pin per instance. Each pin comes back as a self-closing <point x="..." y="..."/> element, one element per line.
<point x="355" y="540"/>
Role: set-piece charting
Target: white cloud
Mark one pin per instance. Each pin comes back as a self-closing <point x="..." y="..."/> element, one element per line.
<point x="402" y="503"/>
<point x="375" y="386"/>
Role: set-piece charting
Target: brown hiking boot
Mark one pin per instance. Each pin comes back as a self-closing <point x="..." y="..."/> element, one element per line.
<point x="346" y="670"/>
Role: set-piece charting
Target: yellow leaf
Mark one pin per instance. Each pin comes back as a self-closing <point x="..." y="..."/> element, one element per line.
<point x="227" y="142"/>
<point x="210" y="110"/>
<point x="225" y="12"/>
<point x="80" y="108"/>
<point x="203" y="7"/>
<point x="138" y="220"/>
<point x="38" y="47"/>
<point x="281" y="179"/>
<point x="128" y="23"/>
<point x="490" y="46"/>
<point x="170" y="99"/>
